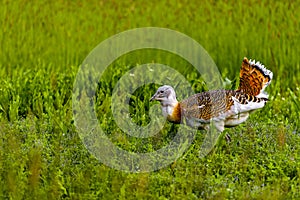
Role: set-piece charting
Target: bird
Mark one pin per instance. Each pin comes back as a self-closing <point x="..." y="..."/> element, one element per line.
<point x="223" y="108"/>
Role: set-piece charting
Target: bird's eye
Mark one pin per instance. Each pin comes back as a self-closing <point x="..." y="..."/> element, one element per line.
<point x="161" y="92"/>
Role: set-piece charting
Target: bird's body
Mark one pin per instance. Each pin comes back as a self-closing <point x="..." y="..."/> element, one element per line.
<point x="226" y="108"/>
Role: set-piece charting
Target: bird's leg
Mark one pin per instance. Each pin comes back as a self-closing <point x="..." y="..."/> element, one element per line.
<point x="228" y="138"/>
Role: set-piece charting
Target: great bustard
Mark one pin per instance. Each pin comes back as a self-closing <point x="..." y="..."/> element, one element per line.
<point x="225" y="108"/>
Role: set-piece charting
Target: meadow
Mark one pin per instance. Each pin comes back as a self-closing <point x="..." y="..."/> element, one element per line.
<point x="43" y="44"/>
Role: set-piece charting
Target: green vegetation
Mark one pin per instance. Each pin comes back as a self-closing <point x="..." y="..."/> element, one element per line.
<point x="43" y="44"/>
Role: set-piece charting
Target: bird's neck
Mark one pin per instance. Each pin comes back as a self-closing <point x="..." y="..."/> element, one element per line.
<point x="171" y="110"/>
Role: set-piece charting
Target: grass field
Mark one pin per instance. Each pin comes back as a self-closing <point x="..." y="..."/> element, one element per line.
<point x="43" y="44"/>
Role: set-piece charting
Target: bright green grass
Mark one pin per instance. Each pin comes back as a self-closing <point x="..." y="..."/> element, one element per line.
<point x="42" y="46"/>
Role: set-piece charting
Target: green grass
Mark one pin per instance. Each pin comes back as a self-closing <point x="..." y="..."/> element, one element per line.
<point x="43" y="44"/>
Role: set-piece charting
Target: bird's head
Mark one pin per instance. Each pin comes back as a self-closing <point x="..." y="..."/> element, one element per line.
<point x="165" y="94"/>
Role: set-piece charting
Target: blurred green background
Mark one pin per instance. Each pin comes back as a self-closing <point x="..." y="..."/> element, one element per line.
<point x="43" y="44"/>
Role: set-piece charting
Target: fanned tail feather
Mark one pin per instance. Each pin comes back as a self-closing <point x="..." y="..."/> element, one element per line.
<point x="254" y="78"/>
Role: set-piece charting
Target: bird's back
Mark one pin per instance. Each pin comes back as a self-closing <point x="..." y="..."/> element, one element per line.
<point x="206" y="105"/>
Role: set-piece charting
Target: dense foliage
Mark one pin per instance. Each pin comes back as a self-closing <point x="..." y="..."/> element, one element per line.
<point x="43" y="44"/>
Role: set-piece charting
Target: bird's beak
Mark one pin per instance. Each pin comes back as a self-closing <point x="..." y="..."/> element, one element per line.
<point x="153" y="97"/>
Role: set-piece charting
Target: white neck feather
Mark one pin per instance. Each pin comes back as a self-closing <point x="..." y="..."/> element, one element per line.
<point x="168" y="105"/>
